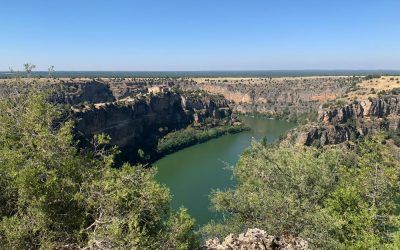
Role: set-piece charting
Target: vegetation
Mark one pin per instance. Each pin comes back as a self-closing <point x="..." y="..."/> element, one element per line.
<point x="369" y="77"/>
<point x="333" y="197"/>
<point x="28" y="68"/>
<point x="53" y="195"/>
<point x="286" y="115"/>
<point x="395" y="136"/>
<point x="305" y="118"/>
<point x="191" y="135"/>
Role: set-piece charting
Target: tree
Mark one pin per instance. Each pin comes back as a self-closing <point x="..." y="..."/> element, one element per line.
<point x="50" y="71"/>
<point x="28" y="68"/>
<point x="364" y="203"/>
<point x="332" y="197"/>
<point x="55" y="195"/>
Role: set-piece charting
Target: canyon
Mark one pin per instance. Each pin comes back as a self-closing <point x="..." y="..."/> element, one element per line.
<point x="138" y="114"/>
<point x="136" y="124"/>
<point x="133" y="110"/>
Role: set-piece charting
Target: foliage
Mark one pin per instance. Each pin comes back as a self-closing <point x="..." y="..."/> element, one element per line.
<point x="306" y="118"/>
<point x="333" y="197"/>
<point x="28" y="68"/>
<point x="395" y="136"/>
<point x="53" y="195"/>
<point x="369" y="77"/>
<point x="395" y="91"/>
<point x="363" y="204"/>
<point x="190" y="136"/>
<point x="286" y="115"/>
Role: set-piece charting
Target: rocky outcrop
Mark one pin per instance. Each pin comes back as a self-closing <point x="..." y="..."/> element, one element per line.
<point x="138" y="123"/>
<point x="285" y="98"/>
<point x="75" y="93"/>
<point x="134" y="117"/>
<point x="256" y="239"/>
<point x="387" y="106"/>
<point x="354" y="120"/>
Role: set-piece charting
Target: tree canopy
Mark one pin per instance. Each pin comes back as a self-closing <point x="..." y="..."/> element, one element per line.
<point x="55" y="195"/>
<point x="334" y="197"/>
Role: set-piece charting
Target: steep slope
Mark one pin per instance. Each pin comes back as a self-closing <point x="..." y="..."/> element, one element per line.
<point x="337" y="124"/>
<point x="139" y="122"/>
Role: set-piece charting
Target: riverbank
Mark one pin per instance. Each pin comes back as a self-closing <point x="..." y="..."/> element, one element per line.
<point x="190" y="136"/>
<point x="285" y="116"/>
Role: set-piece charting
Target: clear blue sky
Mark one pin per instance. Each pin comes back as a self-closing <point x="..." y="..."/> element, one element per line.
<point x="200" y="34"/>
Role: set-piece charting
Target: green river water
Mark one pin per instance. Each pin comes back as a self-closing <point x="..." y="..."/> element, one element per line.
<point x="193" y="172"/>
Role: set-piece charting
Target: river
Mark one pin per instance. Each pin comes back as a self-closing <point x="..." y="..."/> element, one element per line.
<point x="192" y="173"/>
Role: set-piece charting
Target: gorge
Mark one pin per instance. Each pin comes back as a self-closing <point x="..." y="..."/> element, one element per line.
<point x="154" y="121"/>
<point x="192" y="173"/>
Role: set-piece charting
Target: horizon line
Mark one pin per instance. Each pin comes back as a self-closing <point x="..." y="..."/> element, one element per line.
<point x="214" y="70"/>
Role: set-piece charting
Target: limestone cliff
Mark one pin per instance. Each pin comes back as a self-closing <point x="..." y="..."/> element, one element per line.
<point x="254" y="239"/>
<point x="139" y="122"/>
<point x="353" y="120"/>
<point x="74" y="93"/>
<point x="285" y="98"/>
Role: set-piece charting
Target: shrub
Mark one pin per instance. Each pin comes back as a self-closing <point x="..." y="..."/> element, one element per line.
<point x="53" y="195"/>
<point x="369" y="77"/>
<point x="332" y="197"/>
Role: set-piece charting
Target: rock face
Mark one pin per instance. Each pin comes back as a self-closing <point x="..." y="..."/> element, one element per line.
<point x="336" y="125"/>
<point x="284" y="98"/>
<point x="287" y="97"/>
<point x="75" y="93"/>
<point x="138" y="123"/>
<point x="134" y="117"/>
<point x="256" y="239"/>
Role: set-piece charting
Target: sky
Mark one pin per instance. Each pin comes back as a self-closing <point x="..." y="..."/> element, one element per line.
<point x="200" y="34"/>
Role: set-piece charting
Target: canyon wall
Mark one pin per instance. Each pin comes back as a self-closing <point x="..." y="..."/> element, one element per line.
<point x="75" y="93"/>
<point x="138" y="123"/>
<point x="135" y="113"/>
<point x="353" y="120"/>
<point x="285" y="98"/>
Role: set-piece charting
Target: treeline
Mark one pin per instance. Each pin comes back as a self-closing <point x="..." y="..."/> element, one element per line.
<point x="189" y="136"/>
<point x="373" y="76"/>
<point x="286" y="115"/>
<point x="333" y="197"/>
<point x="56" y="196"/>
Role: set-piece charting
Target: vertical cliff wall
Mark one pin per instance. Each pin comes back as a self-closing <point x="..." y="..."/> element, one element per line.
<point x="353" y="120"/>
<point x="138" y="123"/>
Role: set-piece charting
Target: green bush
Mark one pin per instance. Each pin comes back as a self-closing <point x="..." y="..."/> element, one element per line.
<point x="370" y="77"/>
<point x="332" y="197"/>
<point x="53" y="195"/>
<point x="190" y="136"/>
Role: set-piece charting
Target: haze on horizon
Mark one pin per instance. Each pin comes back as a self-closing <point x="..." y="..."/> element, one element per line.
<point x="200" y="35"/>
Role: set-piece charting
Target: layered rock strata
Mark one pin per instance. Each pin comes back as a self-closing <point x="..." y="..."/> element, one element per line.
<point x="353" y="120"/>
<point x="138" y="123"/>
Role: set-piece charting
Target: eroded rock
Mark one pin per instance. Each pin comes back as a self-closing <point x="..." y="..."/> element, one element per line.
<point x="254" y="239"/>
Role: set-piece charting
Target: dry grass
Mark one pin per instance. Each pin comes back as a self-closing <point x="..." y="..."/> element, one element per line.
<point x="257" y="80"/>
<point x="371" y="88"/>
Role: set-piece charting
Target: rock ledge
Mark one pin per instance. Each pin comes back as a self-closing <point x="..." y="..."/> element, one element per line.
<point x="256" y="239"/>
